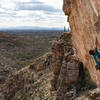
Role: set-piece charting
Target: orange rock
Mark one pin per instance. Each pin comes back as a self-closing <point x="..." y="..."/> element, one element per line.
<point x="82" y="16"/>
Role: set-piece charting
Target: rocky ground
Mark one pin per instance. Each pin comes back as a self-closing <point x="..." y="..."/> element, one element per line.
<point x="31" y="82"/>
<point x="29" y="85"/>
<point x="57" y="75"/>
<point x="18" y="51"/>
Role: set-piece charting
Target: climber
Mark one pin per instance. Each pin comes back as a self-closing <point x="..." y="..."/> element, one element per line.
<point x="96" y="55"/>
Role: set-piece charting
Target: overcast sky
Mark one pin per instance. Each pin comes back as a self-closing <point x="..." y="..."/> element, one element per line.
<point x="37" y="13"/>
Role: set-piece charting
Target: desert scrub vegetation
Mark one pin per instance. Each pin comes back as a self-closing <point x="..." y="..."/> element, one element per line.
<point x="20" y="50"/>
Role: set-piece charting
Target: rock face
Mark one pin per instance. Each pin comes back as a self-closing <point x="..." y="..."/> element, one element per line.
<point x="84" y="20"/>
<point x="64" y="62"/>
<point x="95" y="94"/>
<point x="68" y="70"/>
<point x="43" y="62"/>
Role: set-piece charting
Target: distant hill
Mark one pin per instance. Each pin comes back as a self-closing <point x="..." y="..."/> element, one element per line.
<point x="38" y="32"/>
<point x="32" y="28"/>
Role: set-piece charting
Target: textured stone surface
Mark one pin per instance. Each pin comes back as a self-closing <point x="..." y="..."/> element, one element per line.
<point x="28" y="84"/>
<point x="95" y="94"/>
<point x="31" y="82"/>
<point x="84" y="19"/>
<point x="66" y="68"/>
<point x="43" y="62"/>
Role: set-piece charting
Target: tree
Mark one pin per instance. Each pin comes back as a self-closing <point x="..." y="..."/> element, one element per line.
<point x="64" y="29"/>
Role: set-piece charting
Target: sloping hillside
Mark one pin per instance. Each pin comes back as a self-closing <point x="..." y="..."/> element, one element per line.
<point x="57" y="75"/>
<point x="30" y="83"/>
<point x="18" y="51"/>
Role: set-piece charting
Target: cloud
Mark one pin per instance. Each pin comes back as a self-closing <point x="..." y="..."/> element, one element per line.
<point x="7" y="4"/>
<point x="31" y="2"/>
<point x="38" y="7"/>
<point x="7" y="13"/>
<point x="13" y="4"/>
<point x="37" y="13"/>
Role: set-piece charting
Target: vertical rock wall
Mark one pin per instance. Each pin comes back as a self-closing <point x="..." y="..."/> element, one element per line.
<point x="84" y="20"/>
<point x="66" y="67"/>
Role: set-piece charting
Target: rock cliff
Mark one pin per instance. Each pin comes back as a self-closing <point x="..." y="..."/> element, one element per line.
<point x="70" y="76"/>
<point x="65" y="68"/>
<point x="84" y="20"/>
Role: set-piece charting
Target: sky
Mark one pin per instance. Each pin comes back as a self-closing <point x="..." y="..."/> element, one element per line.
<point x="32" y="13"/>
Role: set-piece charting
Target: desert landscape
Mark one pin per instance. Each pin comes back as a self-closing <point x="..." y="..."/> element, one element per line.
<point x="19" y="49"/>
<point x="52" y="62"/>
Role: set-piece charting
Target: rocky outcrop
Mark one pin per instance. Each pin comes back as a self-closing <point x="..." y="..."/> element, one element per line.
<point x="43" y="62"/>
<point x="94" y="94"/>
<point x="64" y="55"/>
<point x="69" y="74"/>
<point x="66" y="69"/>
<point x="84" y="20"/>
<point x="28" y="85"/>
<point x="31" y="82"/>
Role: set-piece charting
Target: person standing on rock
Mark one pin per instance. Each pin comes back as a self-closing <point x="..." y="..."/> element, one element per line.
<point x="96" y="55"/>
